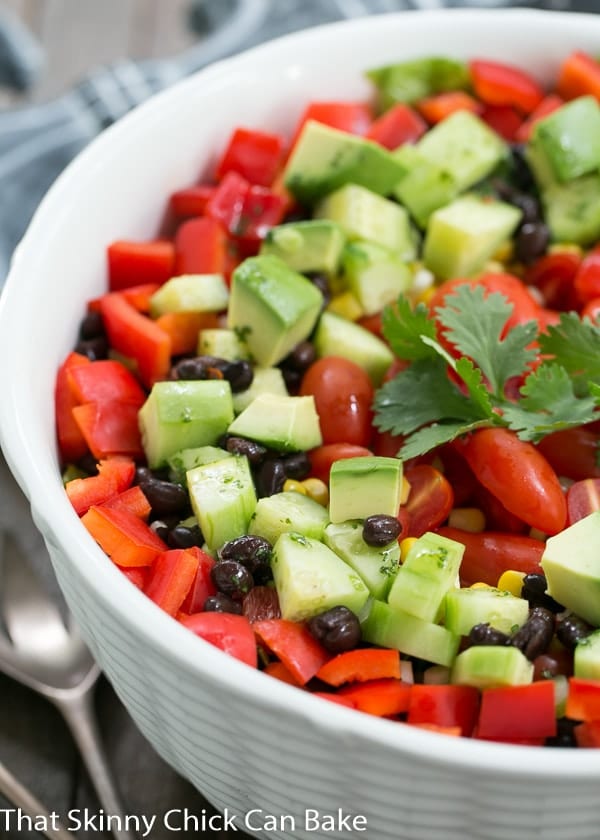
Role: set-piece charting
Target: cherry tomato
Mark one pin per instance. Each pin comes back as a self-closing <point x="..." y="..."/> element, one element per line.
<point x="323" y="457"/>
<point x="592" y="309"/>
<point x="430" y="499"/>
<point x="387" y="444"/>
<point x="573" y="452"/>
<point x="519" y="476"/>
<point x="489" y="554"/>
<point x="587" y="279"/>
<point x="229" y="632"/>
<point x="583" y="498"/>
<point x="497" y="517"/>
<point x="554" y="275"/>
<point x="459" y="474"/>
<point x="343" y="396"/>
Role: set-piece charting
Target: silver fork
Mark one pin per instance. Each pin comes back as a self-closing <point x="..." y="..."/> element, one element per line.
<point x="39" y="651"/>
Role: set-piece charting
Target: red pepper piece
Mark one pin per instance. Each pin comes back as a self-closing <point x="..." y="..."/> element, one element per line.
<point x="588" y="734"/>
<point x="137" y="576"/>
<point x="191" y="201"/>
<point x="71" y="443"/>
<point x="518" y="711"/>
<point x="202" y="586"/>
<point x="114" y="476"/>
<point x="133" y="499"/>
<point x="587" y="279"/>
<point x="200" y="246"/>
<point x="231" y="633"/>
<point x="132" y="263"/>
<point x="504" y="119"/>
<point x="256" y="155"/>
<point x="501" y="84"/>
<point x="280" y="672"/>
<point x="171" y="577"/>
<point x="123" y="536"/>
<point x="442" y="105"/>
<point x="379" y="697"/>
<point x="445" y="706"/>
<point x="398" y="125"/>
<point x="579" y="75"/>
<point x="352" y="117"/>
<point x="103" y="381"/>
<point x="360" y="665"/>
<point x="183" y="328"/>
<point x="293" y="645"/>
<point x="110" y="428"/>
<point x="583" y="700"/>
<point x="247" y="212"/>
<point x="547" y="106"/>
<point x="139" y="296"/>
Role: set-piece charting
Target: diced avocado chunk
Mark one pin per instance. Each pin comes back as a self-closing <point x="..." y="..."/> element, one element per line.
<point x="376" y="566"/>
<point x="490" y="666"/>
<point x="222" y="343"/>
<point x="324" y="159"/>
<point x="571" y="563"/>
<point x="361" y="487"/>
<point x="427" y="574"/>
<point x="409" y="81"/>
<point x="272" y="307"/>
<point x="391" y="628"/>
<point x="310" y="578"/>
<point x="464" y="234"/>
<point x="223" y="499"/>
<point x="288" y="424"/>
<point x="465" y="147"/>
<point x="568" y="140"/>
<point x="586" y="660"/>
<point x="289" y="511"/>
<point x="190" y="293"/>
<point x="375" y="275"/>
<point x="500" y="609"/>
<point x="186" y="459"/>
<point x="424" y="186"/>
<point x="312" y="245"/>
<point x="182" y="414"/>
<point x="265" y="381"/>
<point x="335" y="336"/>
<point x="363" y="214"/>
<point x="572" y="211"/>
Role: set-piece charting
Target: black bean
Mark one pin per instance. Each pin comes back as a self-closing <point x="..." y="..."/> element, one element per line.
<point x="270" y="477"/>
<point x="254" y="452"/>
<point x="338" y="629"/>
<point x="161" y="529"/>
<point x="88" y="464"/>
<point x="521" y="171"/>
<point x="239" y="374"/>
<point x="92" y="326"/>
<point x="531" y="241"/>
<point x="571" y="629"/>
<point x="381" y="529"/>
<point x="528" y="205"/>
<point x="484" y="634"/>
<point x="251" y="551"/>
<point x="292" y="378"/>
<point x="322" y="283"/>
<point x="301" y="357"/>
<point x="197" y="367"/>
<point x="534" y="637"/>
<point x="164" y="497"/>
<point x="297" y="466"/>
<point x="534" y="590"/>
<point x="232" y="578"/>
<point x="184" y="536"/>
<point x="222" y="603"/>
<point x="93" y="348"/>
<point x="565" y="734"/>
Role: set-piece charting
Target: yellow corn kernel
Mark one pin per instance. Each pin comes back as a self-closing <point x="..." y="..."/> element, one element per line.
<point x="404" y="490"/>
<point x="290" y="485"/>
<point x="565" y="248"/>
<point x="480" y="585"/>
<point x="346" y="305"/>
<point x="503" y="252"/>
<point x="511" y="581"/>
<point x="317" y="490"/>
<point x="405" y="546"/>
<point x="467" y="519"/>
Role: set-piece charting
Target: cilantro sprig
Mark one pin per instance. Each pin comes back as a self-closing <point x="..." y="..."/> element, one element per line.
<point x="438" y="398"/>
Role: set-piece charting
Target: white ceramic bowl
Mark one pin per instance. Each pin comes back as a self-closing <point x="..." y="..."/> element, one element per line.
<point x="248" y="741"/>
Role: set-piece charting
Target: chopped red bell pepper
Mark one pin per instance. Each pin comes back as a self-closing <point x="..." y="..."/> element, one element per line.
<point x="587" y="734"/>
<point x="191" y="201"/>
<point x="280" y="672"/>
<point x="360" y="665"/>
<point x="352" y="117"/>
<point x="139" y="296"/>
<point x="379" y="697"/>
<point x="579" y="75"/>
<point x="132" y="263"/>
<point x="114" y="476"/>
<point x="256" y="155"/>
<point x="183" y="328"/>
<point x="504" y="119"/>
<point x="518" y="711"/>
<point x="137" y="576"/>
<point x="133" y="499"/>
<point x="453" y="731"/>
<point x="496" y="83"/>
<point x="170" y="579"/>
<point x="547" y="106"/>
<point x="123" y="536"/>
<point x="583" y="699"/>
<point x="105" y="380"/>
<point x="71" y="443"/>
<point x="336" y="698"/>
<point x="293" y="645"/>
<point x="587" y="280"/>
<point x="200" y="246"/>
<point x="442" y="105"/>
<point x="110" y="428"/>
<point x="231" y="633"/>
<point x="445" y="706"/>
<point x="137" y="337"/>
<point x="400" y="124"/>
<point x="202" y="586"/>
<point x="247" y="212"/>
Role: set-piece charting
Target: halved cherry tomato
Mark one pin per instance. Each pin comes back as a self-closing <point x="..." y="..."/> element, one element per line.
<point x="231" y="633"/>
<point x="323" y="457"/>
<point x="518" y="474"/>
<point x="343" y="396"/>
<point x="496" y="83"/>
<point x="583" y="498"/>
<point x="430" y="500"/>
<point x="573" y="452"/>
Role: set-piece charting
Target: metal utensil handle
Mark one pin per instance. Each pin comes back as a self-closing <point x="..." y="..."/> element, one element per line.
<point x="79" y="714"/>
<point x="20" y="796"/>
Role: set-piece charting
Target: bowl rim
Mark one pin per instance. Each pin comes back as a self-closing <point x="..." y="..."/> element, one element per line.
<point x="54" y="514"/>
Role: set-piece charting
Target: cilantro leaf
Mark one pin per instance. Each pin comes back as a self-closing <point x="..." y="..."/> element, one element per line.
<point x="548" y="403"/>
<point x="575" y="344"/>
<point x="429" y="437"/>
<point x="404" y="326"/>
<point x="473" y="380"/>
<point x="474" y="324"/>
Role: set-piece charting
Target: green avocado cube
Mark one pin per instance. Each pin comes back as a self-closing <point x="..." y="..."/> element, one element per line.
<point x="571" y="563"/>
<point x="335" y="336"/>
<point x="289" y="511"/>
<point x="425" y="186"/>
<point x="190" y="293"/>
<point x="265" y="381"/>
<point x="586" y="660"/>
<point x="465" y="147"/>
<point x="377" y="566"/>
<point x="572" y="210"/>
<point x="363" y="214"/>
<point x="491" y="666"/>
<point x="362" y="487"/>
<point x="287" y="424"/>
<point x="374" y="274"/>
<point x="223" y="499"/>
<point x="183" y="414"/>
<point x="500" y="609"/>
<point x="272" y="307"/>
<point x="568" y="140"/>
<point x="306" y="246"/>
<point x="310" y="578"/>
<point x="325" y="158"/>
<point x="463" y="235"/>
